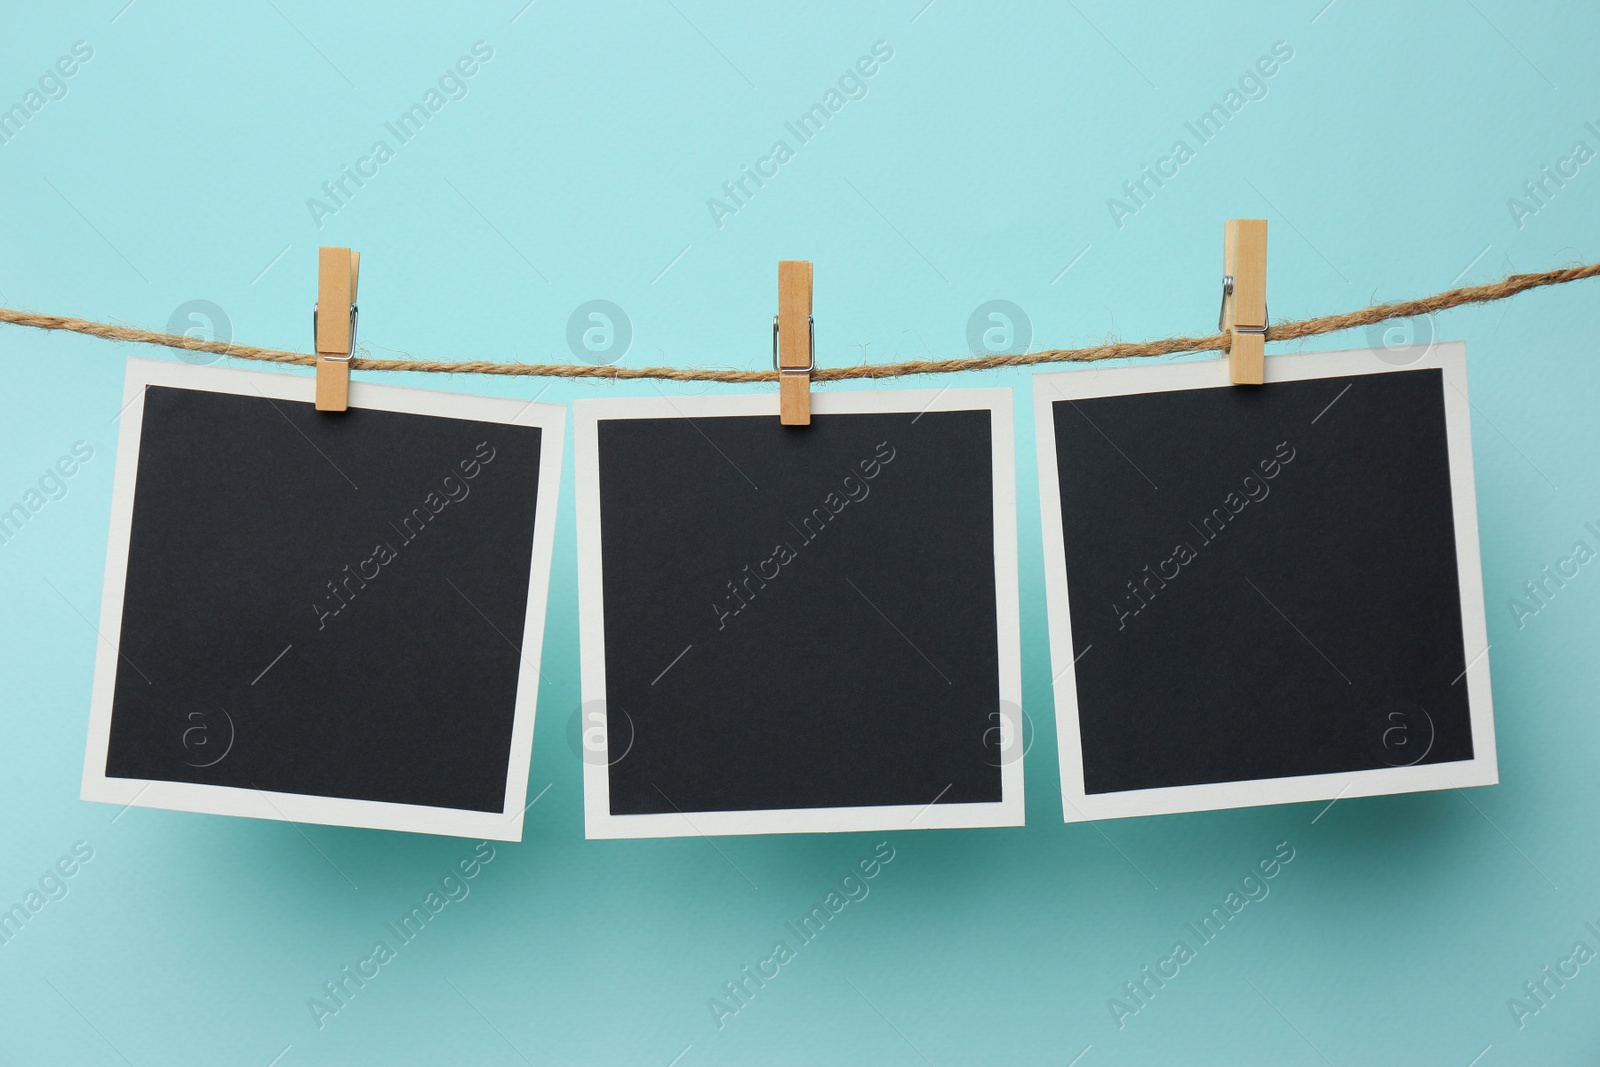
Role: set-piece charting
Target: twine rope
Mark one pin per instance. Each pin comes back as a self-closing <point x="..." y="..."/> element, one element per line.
<point x="1287" y="331"/>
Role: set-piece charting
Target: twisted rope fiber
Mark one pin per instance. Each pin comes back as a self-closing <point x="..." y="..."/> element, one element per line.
<point x="1286" y="331"/>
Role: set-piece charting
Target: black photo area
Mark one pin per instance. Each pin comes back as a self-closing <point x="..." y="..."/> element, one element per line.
<point x="324" y="604"/>
<point x="799" y="617"/>
<point x="1263" y="581"/>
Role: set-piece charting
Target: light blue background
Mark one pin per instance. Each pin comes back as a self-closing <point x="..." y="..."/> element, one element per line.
<point x="977" y="167"/>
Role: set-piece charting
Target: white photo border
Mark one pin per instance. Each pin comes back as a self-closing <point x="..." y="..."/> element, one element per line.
<point x="505" y="825"/>
<point x="599" y="822"/>
<point x="1482" y="769"/>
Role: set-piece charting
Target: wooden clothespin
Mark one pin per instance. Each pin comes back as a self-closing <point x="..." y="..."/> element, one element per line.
<point x="1244" y="298"/>
<point x="338" y="270"/>
<point x="794" y="345"/>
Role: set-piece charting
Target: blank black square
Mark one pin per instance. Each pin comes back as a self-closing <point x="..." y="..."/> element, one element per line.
<point x="799" y="617"/>
<point x="1263" y="580"/>
<point x="324" y="604"/>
